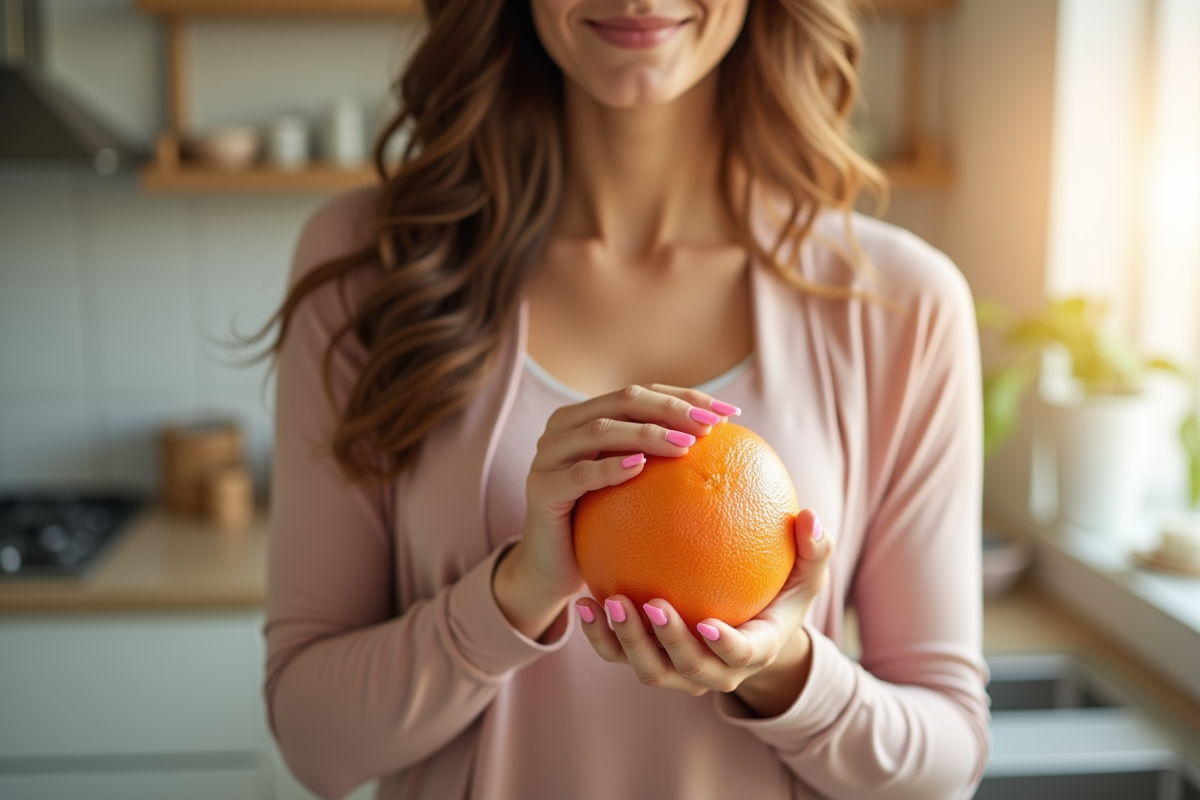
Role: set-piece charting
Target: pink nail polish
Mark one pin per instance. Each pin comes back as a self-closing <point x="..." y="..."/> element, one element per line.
<point x="708" y="631"/>
<point x="680" y="438"/>
<point x="615" y="610"/>
<point x="656" y="615"/>
<point x="726" y="409"/>
<point x="703" y="416"/>
<point x="586" y="614"/>
<point x="629" y="462"/>
<point x="818" y="531"/>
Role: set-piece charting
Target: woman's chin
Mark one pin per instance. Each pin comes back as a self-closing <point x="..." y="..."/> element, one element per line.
<point x="634" y="88"/>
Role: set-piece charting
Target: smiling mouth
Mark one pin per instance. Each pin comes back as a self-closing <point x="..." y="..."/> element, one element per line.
<point x="636" y="32"/>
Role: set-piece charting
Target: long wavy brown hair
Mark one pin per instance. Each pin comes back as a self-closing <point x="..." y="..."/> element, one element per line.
<point x="463" y="217"/>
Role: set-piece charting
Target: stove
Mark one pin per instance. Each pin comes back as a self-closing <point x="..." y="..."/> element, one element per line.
<point x="59" y="534"/>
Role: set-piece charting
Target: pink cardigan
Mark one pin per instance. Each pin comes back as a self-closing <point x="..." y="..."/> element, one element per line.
<point x="388" y="657"/>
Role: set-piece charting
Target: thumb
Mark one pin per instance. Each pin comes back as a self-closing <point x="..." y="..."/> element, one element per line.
<point x="814" y="546"/>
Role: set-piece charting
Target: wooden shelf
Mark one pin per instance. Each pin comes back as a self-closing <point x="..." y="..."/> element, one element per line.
<point x="924" y="169"/>
<point x="922" y="166"/>
<point x="275" y="8"/>
<point x="191" y="178"/>
<point x="170" y="171"/>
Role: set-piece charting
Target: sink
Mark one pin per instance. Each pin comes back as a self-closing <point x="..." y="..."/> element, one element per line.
<point x="1049" y="681"/>
<point x="1159" y="784"/>
<point x="1064" y="727"/>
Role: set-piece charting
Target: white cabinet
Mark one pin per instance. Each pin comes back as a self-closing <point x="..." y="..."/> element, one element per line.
<point x="165" y="706"/>
<point x="130" y="685"/>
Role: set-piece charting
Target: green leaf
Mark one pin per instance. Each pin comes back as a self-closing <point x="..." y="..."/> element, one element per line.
<point x="1002" y="392"/>
<point x="1118" y="367"/>
<point x="1160" y="364"/>
<point x="1102" y="361"/>
<point x="1189" y="437"/>
<point x="1034" y="332"/>
<point x="990" y="314"/>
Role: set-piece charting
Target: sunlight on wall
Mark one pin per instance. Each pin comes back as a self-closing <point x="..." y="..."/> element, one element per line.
<point x="1171" y="271"/>
<point x="1096" y="172"/>
<point x="1125" y="186"/>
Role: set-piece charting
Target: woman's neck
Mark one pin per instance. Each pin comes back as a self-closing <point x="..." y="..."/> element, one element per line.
<point x="641" y="178"/>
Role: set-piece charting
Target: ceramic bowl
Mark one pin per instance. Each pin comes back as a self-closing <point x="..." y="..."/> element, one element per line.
<point x="231" y="149"/>
<point x="1005" y="559"/>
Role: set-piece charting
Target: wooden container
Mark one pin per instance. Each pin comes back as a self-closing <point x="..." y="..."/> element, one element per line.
<point x="229" y="499"/>
<point x="191" y="454"/>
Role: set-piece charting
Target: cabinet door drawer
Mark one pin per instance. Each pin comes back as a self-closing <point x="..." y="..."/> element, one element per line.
<point x="205" y="785"/>
<point x="130" y="684"/>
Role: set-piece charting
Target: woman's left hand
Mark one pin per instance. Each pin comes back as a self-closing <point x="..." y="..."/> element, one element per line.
<point x="765" y="661"/>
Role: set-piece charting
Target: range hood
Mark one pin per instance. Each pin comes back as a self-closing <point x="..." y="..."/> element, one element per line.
<point x="39" y="122"/>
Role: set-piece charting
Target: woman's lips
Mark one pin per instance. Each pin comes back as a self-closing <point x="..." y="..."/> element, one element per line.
<point x="635" y="32"/>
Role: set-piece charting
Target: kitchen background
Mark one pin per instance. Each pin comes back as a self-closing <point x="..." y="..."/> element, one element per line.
<point x="114" y="301"/>
<point x="1073" y="130"/>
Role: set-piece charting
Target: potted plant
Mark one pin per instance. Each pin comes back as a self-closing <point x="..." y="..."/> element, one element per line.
<point x="1103" y="419"/>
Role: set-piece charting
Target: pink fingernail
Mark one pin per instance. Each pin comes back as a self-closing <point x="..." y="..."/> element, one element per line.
<point x="818" y="531"/>
<point x="656" y="615"/>
<point x="615" y="610"/>
<point x="704" y="417"/>
<point x="708" y="631"/>
<point x="629" y="462"/>
<point x="586" y="614"/>
<point x="726" y="409"/>
<point x="680" y="438"/>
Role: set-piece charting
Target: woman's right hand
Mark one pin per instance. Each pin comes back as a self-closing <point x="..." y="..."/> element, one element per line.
<point x="535" y="579"/>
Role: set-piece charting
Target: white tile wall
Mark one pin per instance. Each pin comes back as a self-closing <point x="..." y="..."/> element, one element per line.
<point x="41" y="340"/>
<point x="117" y="308"/>
<point x="37" y="234"/>
<point x="46" y="441"/>
<point x="130" y="238"/>
<point x="146" y="340"/>
<point x="118" y="312"/>
<point x="250" y="70"/>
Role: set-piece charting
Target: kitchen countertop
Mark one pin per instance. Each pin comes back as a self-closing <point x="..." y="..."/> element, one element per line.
<point x="169" y="563"/>
<point x="162" y="562"/>
<point x="1030" y="621"/>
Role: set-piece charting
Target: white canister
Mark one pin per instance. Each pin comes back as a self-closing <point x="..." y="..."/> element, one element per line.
<point x="287" y="143"/>
<point x="345" y="134"/>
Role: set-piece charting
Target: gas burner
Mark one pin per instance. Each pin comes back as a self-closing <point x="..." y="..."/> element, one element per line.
<point x="60" y="534"/>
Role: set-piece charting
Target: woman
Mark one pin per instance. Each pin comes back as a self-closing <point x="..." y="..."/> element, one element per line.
<point x="607" y="202"/>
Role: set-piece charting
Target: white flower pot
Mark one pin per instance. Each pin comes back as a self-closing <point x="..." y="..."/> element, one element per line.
<point x="1102" y="449"/>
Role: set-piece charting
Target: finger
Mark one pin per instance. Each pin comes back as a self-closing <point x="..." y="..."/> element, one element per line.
<point x="754" y="644"/>
<point x="606" y="435"/>
<point x="636" y="403"/>
<point x="650" y="664"/>
<point x="814" y="545"/>
<point x="594" y="624"/>
<point x="698" y="399"/>
<point x="563" y="487"/>
<point x="814" y="549"/>
<point x="690" y="658"/>
<point x="758" y="641"/>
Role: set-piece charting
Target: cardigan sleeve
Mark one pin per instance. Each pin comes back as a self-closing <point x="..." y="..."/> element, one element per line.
<point x="911" y="720"/>
<point x="355" y="691"/>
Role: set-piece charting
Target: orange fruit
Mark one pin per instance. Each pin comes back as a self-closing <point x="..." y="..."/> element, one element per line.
<point x="710" y="532"/>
